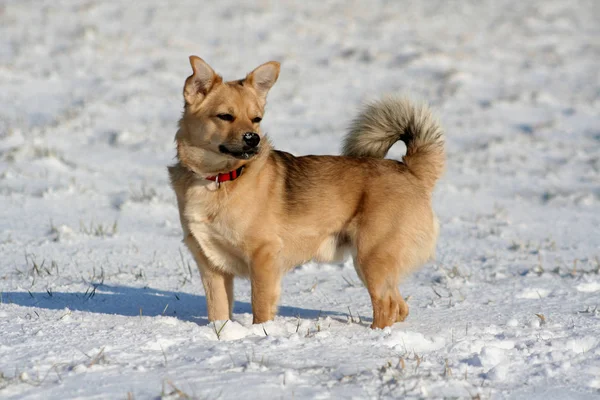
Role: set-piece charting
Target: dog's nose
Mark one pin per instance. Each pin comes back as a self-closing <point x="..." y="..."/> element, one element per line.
<point x="251" y="139"/>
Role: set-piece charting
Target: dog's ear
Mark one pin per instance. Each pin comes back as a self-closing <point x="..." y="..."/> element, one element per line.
<point x="264" y="77"/>
<point x="200" y="82"/>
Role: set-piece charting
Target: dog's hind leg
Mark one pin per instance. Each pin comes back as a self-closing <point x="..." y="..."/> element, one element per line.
<point x="218" y="286"/>
<point x="265" y="278"/>
<point x="379" y="271"/>
<point x="357" y="266"/>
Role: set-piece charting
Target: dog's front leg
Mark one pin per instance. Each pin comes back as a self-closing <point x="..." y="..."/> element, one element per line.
<point x="218" y="285"/>
<point x="219" y="293"/>
<point x="265" y="277"/>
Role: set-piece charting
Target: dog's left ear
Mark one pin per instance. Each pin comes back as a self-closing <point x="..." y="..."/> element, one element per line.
<point x="264" y="77"/>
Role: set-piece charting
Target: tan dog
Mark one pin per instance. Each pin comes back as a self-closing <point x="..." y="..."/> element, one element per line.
<point x="249" y="210"/>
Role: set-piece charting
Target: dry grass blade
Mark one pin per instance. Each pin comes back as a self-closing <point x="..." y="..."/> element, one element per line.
<point x="98" y="358"/>
<point x="402" y="364"/>
<point x="176" y="391"/>
<point x="542" y="318"/>
<point x="218" y="332"/>
<point x="447" y="370"/>
<point x="418" y="362"/>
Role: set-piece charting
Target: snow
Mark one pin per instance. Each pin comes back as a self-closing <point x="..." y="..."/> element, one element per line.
<point x="100" y="299"/>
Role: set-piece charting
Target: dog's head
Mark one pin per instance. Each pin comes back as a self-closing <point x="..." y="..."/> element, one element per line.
<point x="220" y="127"/>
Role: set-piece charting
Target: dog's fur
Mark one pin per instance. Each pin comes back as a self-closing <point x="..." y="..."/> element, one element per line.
<point x="285" y="210"/>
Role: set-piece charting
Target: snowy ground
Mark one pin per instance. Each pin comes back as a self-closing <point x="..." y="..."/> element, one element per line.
<point x="101" y="300"/>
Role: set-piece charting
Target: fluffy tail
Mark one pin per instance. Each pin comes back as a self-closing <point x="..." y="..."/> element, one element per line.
<point x="383" y="123"/>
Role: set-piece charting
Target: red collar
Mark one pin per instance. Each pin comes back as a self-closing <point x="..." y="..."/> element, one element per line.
<point x="229" y="176"/>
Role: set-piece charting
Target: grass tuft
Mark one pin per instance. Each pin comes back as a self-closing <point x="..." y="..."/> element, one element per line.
<point x="98" y="229"/>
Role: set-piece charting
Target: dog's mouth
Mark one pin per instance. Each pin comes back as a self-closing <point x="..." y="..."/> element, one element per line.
<point x="244" y="154"/>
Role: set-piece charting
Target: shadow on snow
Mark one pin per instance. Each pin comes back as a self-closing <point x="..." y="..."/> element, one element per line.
<point x="133" y="301"/>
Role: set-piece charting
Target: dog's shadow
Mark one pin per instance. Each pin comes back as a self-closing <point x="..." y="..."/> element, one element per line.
<point x="134" y="301"/>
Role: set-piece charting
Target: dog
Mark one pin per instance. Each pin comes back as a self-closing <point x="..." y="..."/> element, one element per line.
<point x="251" y="211"/>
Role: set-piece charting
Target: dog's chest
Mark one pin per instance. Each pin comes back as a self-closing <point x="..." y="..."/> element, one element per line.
<point x="217" y="232"/>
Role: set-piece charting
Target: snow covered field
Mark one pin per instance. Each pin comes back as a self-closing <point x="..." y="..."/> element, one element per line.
<point x="100" y="299"/>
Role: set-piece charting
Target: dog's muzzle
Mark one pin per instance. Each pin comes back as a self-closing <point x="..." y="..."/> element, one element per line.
<point x="243" y="154"/>
<point x="249" y="147"/>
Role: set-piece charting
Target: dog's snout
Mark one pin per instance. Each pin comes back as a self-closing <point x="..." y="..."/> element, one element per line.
<point x="251" y="139"/>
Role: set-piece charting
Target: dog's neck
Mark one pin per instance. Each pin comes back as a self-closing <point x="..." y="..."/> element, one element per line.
<point x="229" y="176"/>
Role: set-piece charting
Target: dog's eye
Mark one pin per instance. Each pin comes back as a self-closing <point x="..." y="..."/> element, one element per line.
<point x="226" y="117"/>
<point x="256" y="120"/>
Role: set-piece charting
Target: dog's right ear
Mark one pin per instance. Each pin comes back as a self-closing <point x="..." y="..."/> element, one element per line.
<point x="200" y="82"/>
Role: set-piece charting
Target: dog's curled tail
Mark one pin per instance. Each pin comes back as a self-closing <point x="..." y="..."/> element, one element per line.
<point x="384" y="122"/>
